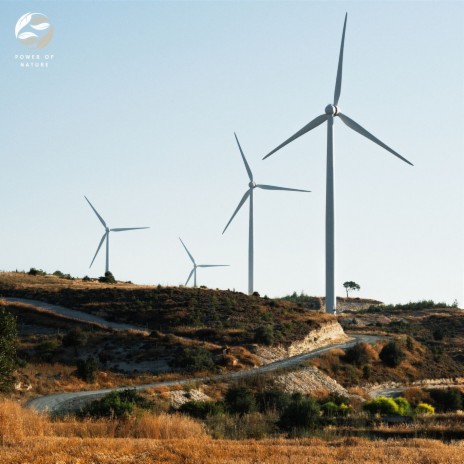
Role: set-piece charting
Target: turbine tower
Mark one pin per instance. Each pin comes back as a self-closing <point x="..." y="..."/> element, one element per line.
<point x="106" y="236"/>
<point x="331" y="111"/>
<point x="195" y="265"/>
<point x="249" y="195"/>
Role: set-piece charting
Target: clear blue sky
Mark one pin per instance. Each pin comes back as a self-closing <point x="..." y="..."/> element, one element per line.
<point x="138" y="108"/>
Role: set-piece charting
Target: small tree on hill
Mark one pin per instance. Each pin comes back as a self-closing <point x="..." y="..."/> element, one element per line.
<point x="350" y="286"/>
<point x="392" y="354"/>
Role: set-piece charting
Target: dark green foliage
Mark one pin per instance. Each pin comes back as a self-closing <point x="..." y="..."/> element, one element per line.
<point x="8" y="344"/>
<point x="202" y="409"/>
<point x="264" y="334"/>
<point x="117" y="404"/>
<point x="446" y="400"/>
<point x="392" y="354"/>
<point x="35" y="272"/>
<point x="239" y="400"/>
<point x="47" y="349"/>
<point x="351" y="286"/>
<point x="304" y="300"/>
<point x="193" y="359"/>
<point x="87" y="369"/>
<point x="331" y="409"/>
<point x="86" y="278"/>
<point x="367" y="372"/>
<point x="357" y="354"/>
<point x="438" y="334"/>
<point x="410" y="343"/>
<point x="272" y="400"/>
<point x="108" y="278"/>
<point x="75" y="337"/>
<point x="411" y="306"/>
<point x="301" y="413"/>
<point x="63" y="276"/>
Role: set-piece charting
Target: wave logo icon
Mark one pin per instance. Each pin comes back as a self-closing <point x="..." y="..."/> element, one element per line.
<point x="34" y="30"/>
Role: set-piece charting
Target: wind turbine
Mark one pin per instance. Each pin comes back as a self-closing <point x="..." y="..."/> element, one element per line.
<point x="106" y="236"/>
<point x="331" y="111"/>
<point x="195" y="265"/>
<point x="249" y="194"/>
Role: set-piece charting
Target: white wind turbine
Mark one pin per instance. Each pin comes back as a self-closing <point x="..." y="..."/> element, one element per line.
<point x="195" y="265"/>
<point x="106" y="236"/>
<point x="249" y="194"/>
<point x="330" y="112"/>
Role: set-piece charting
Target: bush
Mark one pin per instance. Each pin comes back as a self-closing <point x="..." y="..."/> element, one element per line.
<point x="382" y="406"/>
<point x="424" y="409"/>
<point x="108" y="278"/>
<point x="202" y="409"/>
<point x="357" y="354"/>
<point x="75" y="337"/>
<point x="194" y="359"/>
<point x="446" y="400"/>
<point x="404" y="408"/>
<point x="48" y="349"/>
<point x="392" y="354"/>
<point x="86" y="278"/>
<point x="35" y="272"/>
<point x="272" y="400"/>
<point x="265" y="335"/>
<point x="8" y="344"/>
<point x="239" y="400"/>
<point x="302" y="413"/>
<point x="87" y="369"/>
<point x="332" y="409"/>
<point x="117" y="404"/>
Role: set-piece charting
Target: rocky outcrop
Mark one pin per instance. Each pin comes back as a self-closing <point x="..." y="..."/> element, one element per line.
<point x="330" y="332"/>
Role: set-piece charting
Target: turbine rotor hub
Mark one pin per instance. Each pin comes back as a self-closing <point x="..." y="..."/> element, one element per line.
<point x="252" y="185"/>
<point x="332" y="109"/>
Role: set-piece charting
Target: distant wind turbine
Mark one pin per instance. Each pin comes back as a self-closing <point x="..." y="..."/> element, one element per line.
<point x="249" y="194"/>
<point x="106" y="236"/>
<point x="195" y="265"/>
<point x="330" y="112"/>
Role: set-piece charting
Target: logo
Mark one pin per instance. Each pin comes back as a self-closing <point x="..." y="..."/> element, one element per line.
<point x="34" y="30"/>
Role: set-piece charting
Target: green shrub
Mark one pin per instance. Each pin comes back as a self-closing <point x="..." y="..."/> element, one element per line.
<point x="8" y="345"/>
<point x="193" y="359"/>
<point x="446" y="400"/>
<point x="301" y="413"/>
<point x="357" y="354"/>
<point x="117" y="404"/>
<point x="265" y="335"/>
<point x="202" y="409"/>
<point x="108" y="278"/>
<point x="382" y="406"/>
<point x="272" y="400"/>
<point x="424" y="409"/>
<point x="392" y="354"/>
<point x="36" y="272"/>
<point x="75" y="337"/>
<point x="239" y="400"/>
<point x="404" y="408"/>
<point x="87" y="369"/>
<point x="331" y="409"/>
<point x="47" y="349"/>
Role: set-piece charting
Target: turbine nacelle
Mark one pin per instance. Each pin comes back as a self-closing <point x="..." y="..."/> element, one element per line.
<point x="332" y="110"/>
<point x="252" y="185"/>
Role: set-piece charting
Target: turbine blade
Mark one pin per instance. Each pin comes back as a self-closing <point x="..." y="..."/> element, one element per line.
<point x="338" y="83"/>
<point x="188" y="252"/>
<point x="121" y="229"/>
<point x="98" y="249"/>
<point x="272" y="187"/>
<point x="314" y="123"/>
<point x="190" y="276"/>
<point x="360" y="130"/>
<point x="213" y="265"/>
<point x="250" y="174"/>
<point x="96" y="212"/>
<point x="242" y="201"/>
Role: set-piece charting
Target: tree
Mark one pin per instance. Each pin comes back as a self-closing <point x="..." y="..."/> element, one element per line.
<point x="392" y="354"/>
<point x="239" y="400"/>
<point x="350" y="286"/>
<point x="8" y="342"/>
<point x="301" y="413"/>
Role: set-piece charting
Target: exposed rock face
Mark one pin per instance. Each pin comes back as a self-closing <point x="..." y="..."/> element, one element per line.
<point x="328" y="333"/>
<point x="309" y="380"/>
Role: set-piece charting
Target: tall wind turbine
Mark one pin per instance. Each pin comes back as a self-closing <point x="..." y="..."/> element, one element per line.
<point x="195" y="265"/>
<point x="331" y="111"/>
<point x="106" y="236"/>
<point x="249" y="195"/>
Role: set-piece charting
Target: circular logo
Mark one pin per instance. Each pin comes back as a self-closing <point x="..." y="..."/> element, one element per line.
<point x="34" y="30"/>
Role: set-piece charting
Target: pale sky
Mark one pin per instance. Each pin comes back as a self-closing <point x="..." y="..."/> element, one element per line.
<point x="137" y="111"/>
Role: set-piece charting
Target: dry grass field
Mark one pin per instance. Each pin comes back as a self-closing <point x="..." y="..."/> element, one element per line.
<point x="27" y="437"/>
